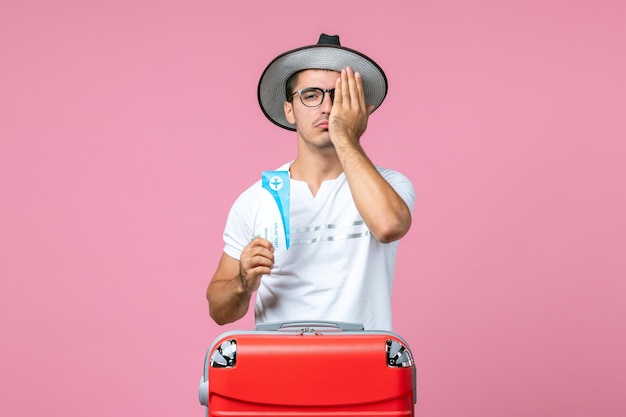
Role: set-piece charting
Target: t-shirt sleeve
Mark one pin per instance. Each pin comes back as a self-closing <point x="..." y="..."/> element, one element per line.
<point x="401" y="184"/>
<point x="239" y="228"/>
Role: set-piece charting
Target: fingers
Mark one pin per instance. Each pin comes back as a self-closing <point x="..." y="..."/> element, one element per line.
<point x="338" y="100"/>
<point x="349" y="113"/>
<point x="257" y="259"/>
<point x="354" y="86"/>
<point x="259" y="242"/>
<point x="349" y="89"/>
<point x="258" y="254"/>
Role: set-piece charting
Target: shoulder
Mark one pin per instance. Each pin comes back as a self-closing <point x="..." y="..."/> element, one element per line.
<point x="250" y="193"/>
<point x="400" y="183"/>
<point x="254" y="192"/>
<point x="392" y="175"/>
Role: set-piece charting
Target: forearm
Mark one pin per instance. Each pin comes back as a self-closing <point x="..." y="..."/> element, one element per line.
<point x="235" y="280"/>
<point x="383" y="210"/>
<point x="387" y="216"/>
<point x="227" y="295"/>
<point x="228" y="300"/>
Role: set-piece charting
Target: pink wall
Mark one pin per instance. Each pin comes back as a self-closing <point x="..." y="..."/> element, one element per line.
<point x="128" y="127"/>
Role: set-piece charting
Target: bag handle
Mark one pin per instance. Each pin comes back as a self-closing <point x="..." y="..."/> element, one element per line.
<point x="299" y="325"/>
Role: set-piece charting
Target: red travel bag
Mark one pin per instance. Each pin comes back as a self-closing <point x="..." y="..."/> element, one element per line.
<point x="319" y="369"/>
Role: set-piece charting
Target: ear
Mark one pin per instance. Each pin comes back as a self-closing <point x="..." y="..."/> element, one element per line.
<point x="288" y="106"/>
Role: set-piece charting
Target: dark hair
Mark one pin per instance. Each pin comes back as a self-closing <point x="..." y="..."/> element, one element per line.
<point x="290" y="85"/>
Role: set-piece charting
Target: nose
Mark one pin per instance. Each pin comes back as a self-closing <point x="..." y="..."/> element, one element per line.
<point x="328" y="100"/>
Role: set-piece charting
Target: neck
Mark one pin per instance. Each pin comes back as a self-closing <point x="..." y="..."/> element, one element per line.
<point x="315" y="168"/>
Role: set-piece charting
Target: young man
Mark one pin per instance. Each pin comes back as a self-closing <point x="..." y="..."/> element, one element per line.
<point x="346" y="215"/>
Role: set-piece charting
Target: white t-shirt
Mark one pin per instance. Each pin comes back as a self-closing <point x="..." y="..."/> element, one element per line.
<point x="334" y="268"/>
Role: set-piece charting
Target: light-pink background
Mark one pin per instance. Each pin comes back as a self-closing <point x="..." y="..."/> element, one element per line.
<point x="128" y="127"/>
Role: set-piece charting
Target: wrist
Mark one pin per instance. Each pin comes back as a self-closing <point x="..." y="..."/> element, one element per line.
<point x="242" y="283"/>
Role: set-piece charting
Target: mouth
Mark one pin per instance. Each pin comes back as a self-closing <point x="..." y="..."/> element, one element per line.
<point x="322" y="124"/>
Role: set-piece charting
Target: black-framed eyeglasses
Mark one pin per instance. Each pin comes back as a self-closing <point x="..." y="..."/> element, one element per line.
<point x="313" y="96"/>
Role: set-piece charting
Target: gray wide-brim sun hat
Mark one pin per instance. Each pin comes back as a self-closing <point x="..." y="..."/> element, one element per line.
<point x="327" y="54"/>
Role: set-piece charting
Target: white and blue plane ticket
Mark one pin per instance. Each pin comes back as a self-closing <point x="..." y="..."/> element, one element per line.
<point x="277" y="183"/>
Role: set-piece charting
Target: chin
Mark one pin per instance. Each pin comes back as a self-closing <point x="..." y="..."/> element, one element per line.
<point x="319" y="141"/>
<point x="324" y="143"/>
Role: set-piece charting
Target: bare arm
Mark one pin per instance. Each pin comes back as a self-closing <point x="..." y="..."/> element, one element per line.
<point x="235" y="281"/>
<point x="383" y="210"/>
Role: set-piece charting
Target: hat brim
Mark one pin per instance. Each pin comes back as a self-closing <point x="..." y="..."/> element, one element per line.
<point x="271" y="91"/>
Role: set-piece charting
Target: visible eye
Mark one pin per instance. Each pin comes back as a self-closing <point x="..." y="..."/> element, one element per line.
<point x="311" y="94"/>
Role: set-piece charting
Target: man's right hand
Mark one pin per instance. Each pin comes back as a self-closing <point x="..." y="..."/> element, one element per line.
<point x="257" y="259"/>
